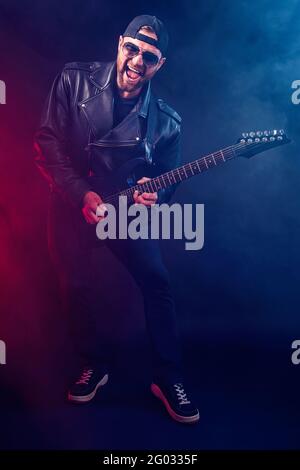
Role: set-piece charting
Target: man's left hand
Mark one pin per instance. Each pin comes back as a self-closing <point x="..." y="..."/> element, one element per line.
<point x="148" y="199"/>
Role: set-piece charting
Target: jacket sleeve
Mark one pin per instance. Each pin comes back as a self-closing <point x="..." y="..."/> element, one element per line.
<point x="51" y="155"/>
<point x="168" y="159"/>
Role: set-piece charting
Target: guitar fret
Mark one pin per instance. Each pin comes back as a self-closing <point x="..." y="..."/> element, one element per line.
<point x="178" y="172"/>
<point x="165" y="182"/>
<point x="191" y="168"/>
<point x="162" y="181"/>
<point x="153" y="185"/>
<point x="160" y="185"/>
<point x="181" y="173"/>
<point x="220" y="158"/>
<point x="209" y="160"/>
<point x="204" y="164"/>
<point x="156" y="186"/>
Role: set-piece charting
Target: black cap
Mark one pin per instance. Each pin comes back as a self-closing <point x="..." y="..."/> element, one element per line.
<point x="157" y="25"/>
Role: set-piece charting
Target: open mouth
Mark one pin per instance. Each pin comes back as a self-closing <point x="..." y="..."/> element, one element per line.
<point x="132" y="73"/>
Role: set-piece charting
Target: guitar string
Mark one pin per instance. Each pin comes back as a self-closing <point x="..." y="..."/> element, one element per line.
<point x="129" y="191"/>
<point x="181" y="171"/>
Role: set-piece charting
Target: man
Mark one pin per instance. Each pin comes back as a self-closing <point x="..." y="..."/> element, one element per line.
<point x="111" y="105"/>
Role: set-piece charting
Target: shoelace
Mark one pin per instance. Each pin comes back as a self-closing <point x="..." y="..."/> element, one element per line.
<point x="181" y="394"/>
<point x="85" y="377"/>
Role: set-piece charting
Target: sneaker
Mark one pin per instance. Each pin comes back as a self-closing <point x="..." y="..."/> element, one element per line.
<point x="85" y="388"/>
<point x="176" y="402"/>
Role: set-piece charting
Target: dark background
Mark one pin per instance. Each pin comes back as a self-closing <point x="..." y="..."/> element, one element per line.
<point x="229" y="69"/>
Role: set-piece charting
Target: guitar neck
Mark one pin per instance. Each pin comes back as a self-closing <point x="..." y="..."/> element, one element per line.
<point x="179" y="174"/>
<point x="190" y="169"/>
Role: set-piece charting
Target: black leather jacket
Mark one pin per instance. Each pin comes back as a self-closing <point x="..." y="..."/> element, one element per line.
<point x="79" y="110"/>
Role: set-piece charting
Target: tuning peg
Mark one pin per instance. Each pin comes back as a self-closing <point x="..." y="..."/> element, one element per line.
<point x="251" y="134"/>
<point x="274" y="132"/>
<point x="245" y="135"/>
<point x="281" y="132"/>
<point x="249" y="140"/>
<point x="266" y="133"/>
<point x="265" y="139"/>
<point x="257" y="139"/>
<point x="259" y="133"/>
<point x="272" y="138"/>
<point x="279" y="137"/>
<point x="242" y="141"/>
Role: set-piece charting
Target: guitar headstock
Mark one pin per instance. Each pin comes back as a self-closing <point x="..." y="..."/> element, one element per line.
<point x="252" y="142"/>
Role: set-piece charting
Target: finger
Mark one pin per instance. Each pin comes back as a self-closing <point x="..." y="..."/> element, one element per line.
<point x="143" y="180"/>
<point x="145" y="202"/>
<point x="89" y="219"/>
<point x="93" y="222"/>
<point x="150" y="196"/>
<point x="135" y="196"/>
<point x="93" y="217"/>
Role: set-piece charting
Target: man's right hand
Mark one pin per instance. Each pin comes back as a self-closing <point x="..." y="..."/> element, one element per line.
<point x="91" y="201"/>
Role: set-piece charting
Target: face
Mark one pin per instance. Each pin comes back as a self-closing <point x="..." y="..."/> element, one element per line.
<point x="132" y="73"/>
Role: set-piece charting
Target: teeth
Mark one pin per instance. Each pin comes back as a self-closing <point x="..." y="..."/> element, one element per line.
<point x="133" y="70"/>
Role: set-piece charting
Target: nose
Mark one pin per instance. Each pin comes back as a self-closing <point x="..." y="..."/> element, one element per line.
<point x="138" y="60"/>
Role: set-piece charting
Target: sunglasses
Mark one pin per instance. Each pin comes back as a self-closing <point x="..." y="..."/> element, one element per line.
<point x="131" y="50"/>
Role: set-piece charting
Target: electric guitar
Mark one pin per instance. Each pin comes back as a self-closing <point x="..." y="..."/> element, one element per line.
<point x="120" y="184"/>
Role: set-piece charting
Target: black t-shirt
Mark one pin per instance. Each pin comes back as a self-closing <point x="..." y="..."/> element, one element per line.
<point x="122" y="107"/>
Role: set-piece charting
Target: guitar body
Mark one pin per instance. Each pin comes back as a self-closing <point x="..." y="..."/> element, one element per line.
<point x="125" y="177"/>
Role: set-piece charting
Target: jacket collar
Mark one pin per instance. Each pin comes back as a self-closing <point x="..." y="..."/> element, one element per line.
<point x="98" y="108"/>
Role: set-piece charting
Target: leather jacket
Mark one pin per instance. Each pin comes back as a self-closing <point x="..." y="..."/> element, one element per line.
<point x="79" y="110"/>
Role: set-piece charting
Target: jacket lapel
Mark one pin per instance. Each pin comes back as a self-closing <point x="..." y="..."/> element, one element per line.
<point x="98" y="108"/>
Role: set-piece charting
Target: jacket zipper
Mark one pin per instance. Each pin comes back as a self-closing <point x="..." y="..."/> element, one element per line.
<point x="108" y="143"/>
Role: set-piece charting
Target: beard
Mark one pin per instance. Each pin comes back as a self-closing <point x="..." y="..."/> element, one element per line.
<point x="127" y="83"/>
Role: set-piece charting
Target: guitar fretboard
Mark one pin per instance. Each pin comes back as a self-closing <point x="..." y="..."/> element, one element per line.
<point x="177" y="175"/>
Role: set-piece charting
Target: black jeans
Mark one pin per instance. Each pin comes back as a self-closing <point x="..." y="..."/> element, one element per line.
<point x="71" y="243"/>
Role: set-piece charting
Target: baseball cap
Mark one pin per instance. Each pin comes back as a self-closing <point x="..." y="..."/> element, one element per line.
<point x="158" y="27"/>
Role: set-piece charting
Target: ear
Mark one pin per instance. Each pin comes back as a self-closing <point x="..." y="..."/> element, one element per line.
<point x="120" y="42"/>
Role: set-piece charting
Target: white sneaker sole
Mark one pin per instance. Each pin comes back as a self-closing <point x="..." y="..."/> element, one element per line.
<point x="182" y="419"/>
<point x="90" y="396"/>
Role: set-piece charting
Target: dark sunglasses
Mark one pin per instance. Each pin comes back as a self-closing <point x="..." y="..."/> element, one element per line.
<point x="131" y="50"/>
